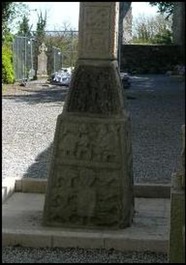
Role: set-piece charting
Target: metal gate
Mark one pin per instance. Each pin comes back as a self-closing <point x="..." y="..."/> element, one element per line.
<point x="23" y="57"/>
<point x="62" y="49"/>
<point x="61" y="53"/>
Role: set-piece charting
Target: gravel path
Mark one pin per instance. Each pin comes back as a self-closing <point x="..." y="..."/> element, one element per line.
<point x="157" y="114"/>
<point x="29" y="120"/>
<point x="156" y="104"/>
<point x="78" y="255"/>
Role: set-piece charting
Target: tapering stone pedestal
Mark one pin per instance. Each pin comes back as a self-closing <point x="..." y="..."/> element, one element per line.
<point x="91" y="182"/>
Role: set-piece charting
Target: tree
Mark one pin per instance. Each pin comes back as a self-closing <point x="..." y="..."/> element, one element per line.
<point x="164" y="8"/>
<point x="164" y="37"/>
<point x="41" y="26"/>
<point x="39" y="35"/>
<point x="24" y="28"/>
<point x="152" y="30"/>
<point x="12" y="13"/>
<point x="6" y="8"/>
<point x="64" y="39"/>
<point x="7" y="60"/>
<point x="6" y="11"/>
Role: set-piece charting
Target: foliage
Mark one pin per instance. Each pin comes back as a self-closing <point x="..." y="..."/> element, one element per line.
<point x="24" y="28"/>
<point x="152" y="30"/>
<point x="164" y="37"/>
<point x="8" y="38"/>
<point x="7" y="64"/>
<point x="39" y="36"/>
<point x="12" y="13"/>
<point x="6" y="12"/>
<point x="41" y="26"/>
<point x="40" y="30"/>
<point x="164" y="7"/>
<point x="66" y="40"/>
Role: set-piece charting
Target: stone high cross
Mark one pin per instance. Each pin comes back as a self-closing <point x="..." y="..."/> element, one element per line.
<point x="42" y="48"/>
<point x="90" y="181"/>
<point x="42" y="62"/>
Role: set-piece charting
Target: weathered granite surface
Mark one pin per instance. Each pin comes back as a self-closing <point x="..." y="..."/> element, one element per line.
<point x="91" y="181"/>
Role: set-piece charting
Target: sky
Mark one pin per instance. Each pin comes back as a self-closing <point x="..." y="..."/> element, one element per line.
<point x="59" y="13"/>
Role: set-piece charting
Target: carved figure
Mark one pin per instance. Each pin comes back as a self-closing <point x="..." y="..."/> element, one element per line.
<point x="105" y="148"/>
<point x="83" y="144"/>
<point x="87" y="195"/>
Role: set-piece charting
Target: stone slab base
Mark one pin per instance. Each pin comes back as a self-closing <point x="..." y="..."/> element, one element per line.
<point x="22" y="218"/>
<point x="145" y="190"/>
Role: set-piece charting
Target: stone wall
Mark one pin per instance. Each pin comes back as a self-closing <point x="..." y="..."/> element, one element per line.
<point x="179" y="25"/>
<point x="152" y="59"/>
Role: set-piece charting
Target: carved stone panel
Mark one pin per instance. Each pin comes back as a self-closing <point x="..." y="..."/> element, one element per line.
<point x="98" y="30"/>
<point x="86" y="196"/>
<point x="95" y="91"/>
<point x="89" y="142"/>
<point x="95" y="42"/>
<point x="90" y="184"/>
<point x="97" y="17"/>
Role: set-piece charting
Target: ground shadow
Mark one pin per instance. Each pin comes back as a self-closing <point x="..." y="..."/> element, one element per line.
<point x="40" y="168"/>
<point x="40" y="95"/>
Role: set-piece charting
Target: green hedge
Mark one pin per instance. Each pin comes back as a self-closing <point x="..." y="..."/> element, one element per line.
<point x="7" y="65"/>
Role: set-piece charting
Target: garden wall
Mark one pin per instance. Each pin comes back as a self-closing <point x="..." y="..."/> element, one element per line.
<point x="152" y="59"/>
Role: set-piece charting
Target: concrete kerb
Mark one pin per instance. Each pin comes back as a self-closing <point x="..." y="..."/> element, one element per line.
<point x="145" y="190"/>
<point x="39" y="239"/>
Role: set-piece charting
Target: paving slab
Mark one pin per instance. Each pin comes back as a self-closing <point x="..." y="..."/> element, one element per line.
<point x="22" y="225"/>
